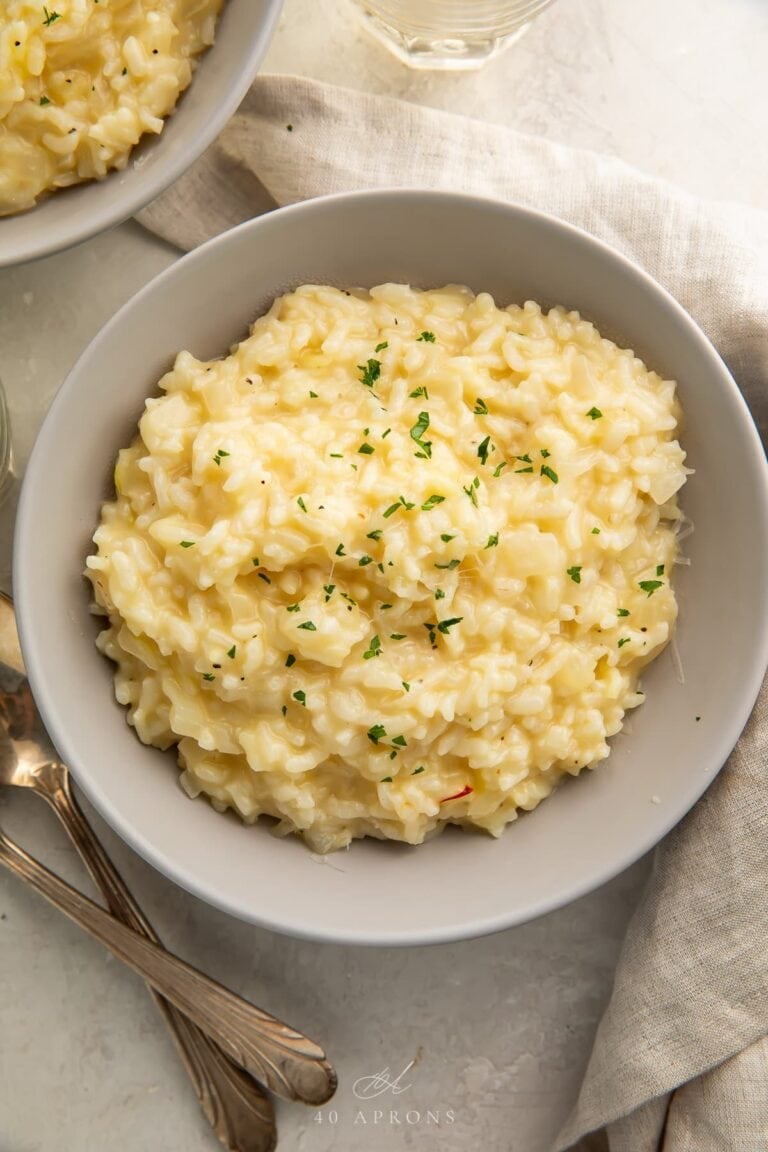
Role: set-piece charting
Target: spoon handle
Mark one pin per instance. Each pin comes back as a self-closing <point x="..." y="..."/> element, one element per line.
<point x="293" y="1066"/>
<point x="236" y="1107"/>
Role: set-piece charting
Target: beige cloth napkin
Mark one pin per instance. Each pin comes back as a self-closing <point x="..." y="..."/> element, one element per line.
<point x="680" y="1061"/>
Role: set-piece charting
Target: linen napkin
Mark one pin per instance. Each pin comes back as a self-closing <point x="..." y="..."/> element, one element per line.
<point x="680" y="1060"/>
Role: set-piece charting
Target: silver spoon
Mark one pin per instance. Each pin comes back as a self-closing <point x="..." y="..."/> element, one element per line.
<point x="245" y="1038"/>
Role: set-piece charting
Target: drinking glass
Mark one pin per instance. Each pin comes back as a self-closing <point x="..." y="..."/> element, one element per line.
<point x="448" y="34"/>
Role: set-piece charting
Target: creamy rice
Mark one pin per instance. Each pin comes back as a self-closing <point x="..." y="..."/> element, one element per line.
<point x="81" y="81"/>
<point x="395" y="562"/>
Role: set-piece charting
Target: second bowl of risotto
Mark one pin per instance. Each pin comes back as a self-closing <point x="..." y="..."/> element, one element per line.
<point x="403" y="514"/>
<point x="102" y="106"/>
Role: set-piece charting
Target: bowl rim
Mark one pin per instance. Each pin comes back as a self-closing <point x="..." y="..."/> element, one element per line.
<point x="720" y="747"/>
<point x="86" y="225"/>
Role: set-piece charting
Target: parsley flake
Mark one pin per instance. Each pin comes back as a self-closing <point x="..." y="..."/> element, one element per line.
<point x="471" y="490"/>
<point x="208" y="676"/>
<point x="450" y="565"/>
<point x="364" y="561"/>
<point x="492" y="541"/>
<point x="220" y="454"/>
<point x="232" y="652"/>
<point x="594" y="413"/>
<point x="308" y="626"/>
<point x="380" y="347"/>
<point x="595" y="531"/>
<point x="186" y="543"/>
<point x="366" y="450"/>
<point x="301" y="697"/>
<point x="370" y="372"/>
<point x="386" y="780"/>
<point x="375" y="535"/>
<point x="650" y="586"/>
<point x="400" y="741"/>
<point x="421" y="391"/>
<point x="432" y="502"/>
<point x="293" y="607"/>
<point x="301" y="504"/>
<point x="406" y="685"/>
<point x="417" y="433"/>
<point x="446" y="537"/>
<point x="549" y="473"/>
<point x="439" y="594"/>
<point x="263" y="576"/>
<point x="417" y="770"/>
<point x="397" y="636"/>
<point x="574" y="573"/>
<point x="624" y="640"/>
<point x="328" y="589"/>
<point x="659" y="569"/>
<point x="290" y="660"/>
<point x="43" y="101"/>
<point x="426" y="338"/>
<point x="340" y="550"/>
<point x="480" y="408"/>
<point x="445" y="626"/>
<point x="50" y="17"/>
<point x="374" y="649"/>
<point x="483" y="449"/>
<point x="623" y="612"/>
<point x="376" y="732"/>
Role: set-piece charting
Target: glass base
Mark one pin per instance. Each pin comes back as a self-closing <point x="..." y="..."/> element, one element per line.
<point x="448" y="55"/>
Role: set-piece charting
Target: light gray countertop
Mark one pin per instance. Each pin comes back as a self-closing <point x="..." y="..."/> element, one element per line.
<point x="500" y="1028"/>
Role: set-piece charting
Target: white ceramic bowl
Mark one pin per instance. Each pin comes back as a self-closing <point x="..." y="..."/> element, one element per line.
<point x="457" y="885"/>
<point x="221" y="79"/>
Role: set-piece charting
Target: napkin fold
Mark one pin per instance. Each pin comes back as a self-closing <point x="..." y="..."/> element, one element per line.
<point x="680" y="1059"/>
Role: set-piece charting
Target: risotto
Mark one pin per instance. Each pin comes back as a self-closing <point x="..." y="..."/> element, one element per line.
<point x="81" y="81"/>
<point x="395" y="562"/>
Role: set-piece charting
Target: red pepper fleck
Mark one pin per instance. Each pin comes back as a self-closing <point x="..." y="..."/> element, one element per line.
<point x="457" y="795"/>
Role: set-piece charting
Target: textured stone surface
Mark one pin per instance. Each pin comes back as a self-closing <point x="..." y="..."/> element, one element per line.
<point x="500" y="1028"/>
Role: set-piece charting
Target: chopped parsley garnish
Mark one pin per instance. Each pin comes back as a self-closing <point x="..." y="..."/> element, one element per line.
<point x="426" y="337"/>
<point x="421" y="391"/>
<point x="313" y="395"/>
<point x="624" y="640"/>
<point x="232" y="652"/>
<point x="340" y="550"/>
<point x="293" y="607"/>
<point x="380" y="347"/>
<point x="400" y="741"/>
<point x="483" y="448"/>
<point x="366" y="450"/>
<point x="383" y="607"/>
<point x="283" y="709"/>
<point x="432" y="634"/>
<point x="595" y="531"/>
<point x="220" y="454"/>
<point x="402" y="502"/>
<point x="439" y="594"/>
<point x="186" y="543"/>
<point x="650" y="586"/>
<point x="549" y="473"/>
<point x="500" y="468"/>
<point x="480" y="408"/>
<point x="263" y="576"/>
<point x="50" y="17"/>
<point x="43" y="101"/>
<point x="301" y="504"/>
<point x="445" y="626"/>
<point x="370" y="372"/>
<point x="417" y="770"/>
<point x="397" y="636"/>
<point x="431" y="502"/>
<point x="375" y="535"/>
<point x="308" y="626"/>
<point x="374" y="649"/>
<point x="417" y="433"/>
<point x="375" y="734"/>
<point x="446" y="537"/>
<point x="301" y="697"/>
<point x="348" y="598"/>
<point x="471" y="490"/>
<point x="623" y="612"/>
<point x="385" y="434"/>
<point x="450" y="565"/>
<point x="255" y="561"/>
<point x="364" y="561"/>
<point x="208" y="676"/>
<point x="337" y="455"/>
<point x="328" y="589"/>
<point x="492" y="541"/>
<point x="594" y="413"/>
<point x="290" y="660"/>
<point x="545" y="452"/>
<point x="386" y="780"/>
<point x="574" y="573"/>
<point x="406" y="685"/>
<point x="659" y="569"/>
